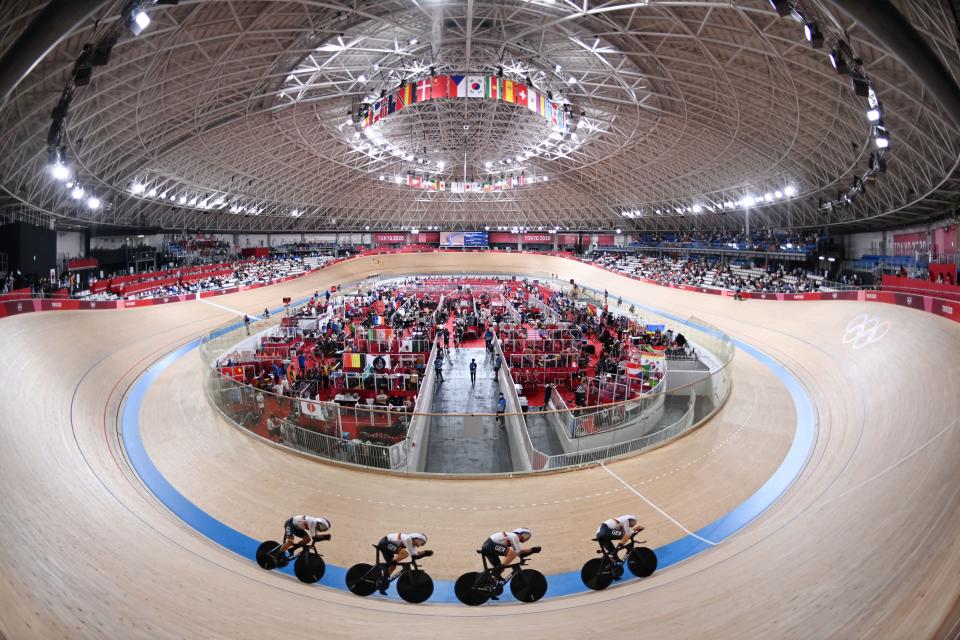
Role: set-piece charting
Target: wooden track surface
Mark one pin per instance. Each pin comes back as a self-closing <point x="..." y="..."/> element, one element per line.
<point x="863" y="544"/>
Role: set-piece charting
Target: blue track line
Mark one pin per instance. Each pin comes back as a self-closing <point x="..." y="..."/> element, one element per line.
<point x="559" y="584"/>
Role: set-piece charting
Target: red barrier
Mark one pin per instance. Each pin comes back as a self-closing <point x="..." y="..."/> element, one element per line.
<point x="921" y="287"/>
<point x="944" y="308"/>
<point x="878" y="296"/>
<point x="947" y="309"/>
<point x="81" y="263"/>
<point x="907" y="300"/>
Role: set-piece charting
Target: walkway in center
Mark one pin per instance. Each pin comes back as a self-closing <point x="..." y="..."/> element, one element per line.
<point x="459" y="445"/>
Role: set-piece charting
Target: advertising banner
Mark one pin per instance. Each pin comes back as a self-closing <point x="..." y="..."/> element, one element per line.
<point x="389" y="238"/>
<point x="537" y="238"/>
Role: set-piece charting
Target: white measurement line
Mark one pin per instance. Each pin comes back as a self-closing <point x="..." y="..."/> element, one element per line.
<point x="220" y="306"/>
<point x="656" y="508"/>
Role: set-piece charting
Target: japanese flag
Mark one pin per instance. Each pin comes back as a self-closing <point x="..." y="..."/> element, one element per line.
<point x="312" y="409"/>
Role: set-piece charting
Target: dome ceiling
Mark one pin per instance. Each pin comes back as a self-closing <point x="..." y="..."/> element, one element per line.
<point x="246" y="115"/>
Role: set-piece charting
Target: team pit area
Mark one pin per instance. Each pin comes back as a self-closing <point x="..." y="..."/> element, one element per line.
<point x="470" y="374"/>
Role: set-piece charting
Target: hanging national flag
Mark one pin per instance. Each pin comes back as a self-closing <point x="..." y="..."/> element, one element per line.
<point x="486" y="185"/>
<point x="404" y="96"/>
<point x="441" y="87"/>
<point x="522" y="180"/>
<point x="353" y="360"/>
<point x="508" y="90"/>
<point x="368" y="117"/>
<point x="532" y="99"/>
<point x="520" y="94"/>
<point x="391" y="104"/>
<point x="456" y="187"/>
<point x="458" y="86"/>
<point x="468" y="186"/>
<point x="375" y="112"/>
<point x="409" y="180"/>
<point x="424" y="89"/>
<point x="383" y="108"/>
<point x="510" y="182"/>
<point x="491" y="87"/>
<point x="474" y="86"/>
<point x="233" y="372"/>
<point x="441" y="185"/>
<point x="542" y="106"/>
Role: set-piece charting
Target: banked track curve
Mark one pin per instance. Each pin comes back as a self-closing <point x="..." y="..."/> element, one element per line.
<point x="861" y="544"/>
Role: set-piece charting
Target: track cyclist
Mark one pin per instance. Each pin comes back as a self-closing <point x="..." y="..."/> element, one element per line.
<point x="395" y="548"/>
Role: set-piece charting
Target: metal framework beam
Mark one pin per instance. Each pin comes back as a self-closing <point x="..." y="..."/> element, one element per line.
<point x="885" y="23"/>
<point x="49" y="28"/>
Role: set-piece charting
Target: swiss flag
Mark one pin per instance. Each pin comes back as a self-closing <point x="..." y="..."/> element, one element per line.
<point x="441" y="87"/>
<point x="424" y="90"/>
<point x="520" y="95"/>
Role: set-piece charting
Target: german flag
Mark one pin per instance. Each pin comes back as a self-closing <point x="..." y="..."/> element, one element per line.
<point x="405" y="96"/>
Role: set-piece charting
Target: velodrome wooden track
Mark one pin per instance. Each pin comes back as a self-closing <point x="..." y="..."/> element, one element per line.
<point x="863" y="544"/>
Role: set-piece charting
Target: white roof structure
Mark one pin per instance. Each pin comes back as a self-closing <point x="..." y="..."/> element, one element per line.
<point x="243" y="115"/>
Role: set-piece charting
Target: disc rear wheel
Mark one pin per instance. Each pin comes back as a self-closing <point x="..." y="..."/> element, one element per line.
<point x="596" y="574"/>
<point x="264" y="554"/>
<point x="466" y="590"/>
<point x="362" y="579"/>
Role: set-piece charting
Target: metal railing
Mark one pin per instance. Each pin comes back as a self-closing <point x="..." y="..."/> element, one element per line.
<point x="600" y="454"/>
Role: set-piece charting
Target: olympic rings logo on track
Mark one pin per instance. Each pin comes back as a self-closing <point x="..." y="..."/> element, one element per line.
<point x="865" y="330"/>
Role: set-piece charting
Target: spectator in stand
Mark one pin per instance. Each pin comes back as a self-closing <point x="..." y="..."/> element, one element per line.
<point x="580" y="395"/>
<point x="260" y="404"/>
<point x="273" y="426"/>
<point x="547" y="394"/>
<point x="488" y="339"/>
